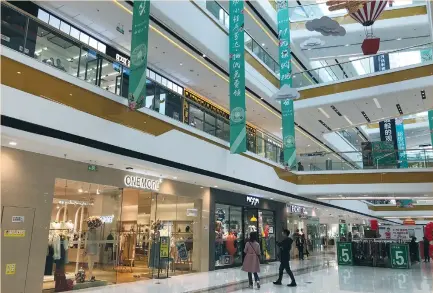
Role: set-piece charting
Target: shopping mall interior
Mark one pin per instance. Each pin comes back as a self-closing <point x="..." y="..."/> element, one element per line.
<point x="182" y="146"/>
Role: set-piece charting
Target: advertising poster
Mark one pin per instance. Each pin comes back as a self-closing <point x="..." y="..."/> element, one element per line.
<point x="401" y="232"/>
<point x="181" y="250"/>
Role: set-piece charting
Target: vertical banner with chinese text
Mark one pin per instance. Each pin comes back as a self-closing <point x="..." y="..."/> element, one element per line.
<point x="401" y="143"/>
<point x="139" y="42"/>
<point x="287" y="111"/>
<point x="430" y="123"/>
<point x="238" y="132"/>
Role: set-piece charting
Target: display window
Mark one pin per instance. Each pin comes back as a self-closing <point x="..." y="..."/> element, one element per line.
<point x="101" y="235"/>
<point x="233" y="225"/>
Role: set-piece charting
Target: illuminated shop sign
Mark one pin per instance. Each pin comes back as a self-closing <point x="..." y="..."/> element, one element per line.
<point x="252" y="200"/>
<point x="76" y="202"/>
<point x="297" y="209"/>
<point x="141" y="182"/>
<point x="123" y="60"/>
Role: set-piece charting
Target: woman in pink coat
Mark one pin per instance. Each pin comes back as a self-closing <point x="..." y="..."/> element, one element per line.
<point x="252" y="259"/>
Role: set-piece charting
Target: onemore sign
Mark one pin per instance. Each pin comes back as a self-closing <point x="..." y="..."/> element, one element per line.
<point x="141" y="182"/>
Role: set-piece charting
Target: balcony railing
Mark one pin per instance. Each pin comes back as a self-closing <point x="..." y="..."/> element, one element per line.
<point x="34" y="38"/>
<point x="416" y="158"/>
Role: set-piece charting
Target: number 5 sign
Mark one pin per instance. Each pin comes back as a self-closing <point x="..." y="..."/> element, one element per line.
<point x="344" y="253"/>
<point x="399" y="256"/>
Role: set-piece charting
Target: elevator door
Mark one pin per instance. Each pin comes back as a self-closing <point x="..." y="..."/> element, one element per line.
<point x="17" y="228"/>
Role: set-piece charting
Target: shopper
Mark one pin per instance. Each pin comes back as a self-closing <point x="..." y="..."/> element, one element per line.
<point x="426" y="250"/>
<point x="285" y="246"/>
<point x="300" y="166"/>
<point x="413" y="248"/>
<point x="251" y="263"/>
<point x="305" y="239"/>
<point x="300" y="242"/>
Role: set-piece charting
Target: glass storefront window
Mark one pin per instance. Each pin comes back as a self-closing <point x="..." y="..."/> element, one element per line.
<point x="266" y="224"/>
<point x="223" y="129"/>
<point x="173" y="106"/>
<point x="210" y="123"/>
<point x="159" y="102"/>
<point x="196" y="117"/>
<point x="228" y="236"/>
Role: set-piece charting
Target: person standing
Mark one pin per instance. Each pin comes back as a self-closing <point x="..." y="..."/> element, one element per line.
<point x="426" y="250"/>
<point x="251" y="263"/>
<point x="305" y="243"/>
<point x="300" y="241"/>
<point x="285" y="245"/>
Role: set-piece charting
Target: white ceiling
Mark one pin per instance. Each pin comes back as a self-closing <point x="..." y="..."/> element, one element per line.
<point x="103" y="17"/>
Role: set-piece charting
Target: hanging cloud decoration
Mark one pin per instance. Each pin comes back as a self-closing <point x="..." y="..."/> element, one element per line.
<point x="312" y="43"/>
<point x="326" y="26"/>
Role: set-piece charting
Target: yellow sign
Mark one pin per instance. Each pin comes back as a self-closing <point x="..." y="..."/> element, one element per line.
<point x="15" y="233"/>
<point x="163" y="249"/>
<point x="10" y="268"/>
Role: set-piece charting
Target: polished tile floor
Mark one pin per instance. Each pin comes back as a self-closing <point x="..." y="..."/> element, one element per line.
<point x="317" y="275"/>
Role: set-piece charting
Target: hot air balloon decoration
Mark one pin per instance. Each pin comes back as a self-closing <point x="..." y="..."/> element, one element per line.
<point x="366" y="13"/>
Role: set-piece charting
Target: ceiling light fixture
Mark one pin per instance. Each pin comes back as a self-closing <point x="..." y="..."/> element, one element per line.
<point x="377" y="103"/>
<point x="347" y="45"/>
<point x="12" y="143"/>
<point x="348" y="120"/>
<point x="216" y="186"/>
<point x="19" y="72"/>
<point x="201" y="187"/>
<point x="80" y="190"/>
<point x="175" y="177"/>
<point x="324" y="113"/>
<point x="180" y="64"/>
<point x="336" y="110"/>
<point x="365" y="116"/>
<point x="423" y="95"/>
<point x="398" y="39"/>
<point x="263" y="44"/>
<point x="204" y="55"/>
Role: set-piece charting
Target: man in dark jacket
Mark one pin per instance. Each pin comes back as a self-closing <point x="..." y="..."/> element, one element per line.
<point x="285" y="247"/>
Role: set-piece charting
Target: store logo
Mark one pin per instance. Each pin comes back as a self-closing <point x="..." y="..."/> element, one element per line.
<point x="125" y="61"/>
<point x="298" y="209"/>
<point x="289" y="141"/>
<point x="252" y="200"/>
<point x="237" y="115"/>
<point x="141" y="182"/>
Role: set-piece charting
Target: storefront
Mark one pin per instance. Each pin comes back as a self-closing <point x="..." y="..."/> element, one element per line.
<point x="233" y="217"/>
<point x="107" y="225"/>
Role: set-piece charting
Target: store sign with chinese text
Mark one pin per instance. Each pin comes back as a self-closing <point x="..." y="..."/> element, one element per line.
<point x="401" y="142"/>
<point x="238" y="131"/>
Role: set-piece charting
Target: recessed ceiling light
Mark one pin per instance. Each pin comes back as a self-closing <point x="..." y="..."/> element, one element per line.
<point x="180" y="64"/>
<point x="308" y="145"/>
<point x="174" y="177"/>
<point x="204" y="55"/>
<point x="80" y="190"/>
<point x="19" y="72"/>
<point x="347" y="45"/>
<point x="263" y="44"/>
<point x="377" y="103"/>
<point x="12" y="143"/>
<point x="398" y="39"/>
<point x="272" y="198"/>
<point x="281" y="128"/>
<point x="324" y="113"/>
<point x="201" y="187"/>
<point x="216" y="186"/>
<point x="70" y="95"/>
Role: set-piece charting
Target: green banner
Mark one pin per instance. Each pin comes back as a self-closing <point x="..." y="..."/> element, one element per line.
<point x="399" y="256"/>
<point x="285" y="58"/>
<point x="238" y="131"/>
<point x="384" y="154"/>
<point x="139" y="40"/>
<point x="344" y="253"/>
<point x="430" y="123"/>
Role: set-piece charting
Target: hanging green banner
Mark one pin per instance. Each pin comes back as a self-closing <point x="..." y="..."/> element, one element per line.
<point x="238" y="131"/>
<point x="401" y="143"/>
<point x="139" y="40"/>
<point x="287" y="112"/>
<point x="430" y="123"/>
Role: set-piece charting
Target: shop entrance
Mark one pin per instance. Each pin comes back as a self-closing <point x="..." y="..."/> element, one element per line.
<point x="101" y="235"/>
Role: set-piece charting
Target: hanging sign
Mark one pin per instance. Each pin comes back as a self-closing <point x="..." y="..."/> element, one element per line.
<point x="138" y="62"/>
<point x="15" y="233"/>
<point x="430" y="123"/>
<point x="285" y="58"/>
<point x="401" y="142"/>
<point x="238" y="131"/>
<point x="344" y="253"/>
<point x="399" y="256"/>
<point x="11" y="269"/>
<point x="163" y="249"/>
<point x="381" y="62"/>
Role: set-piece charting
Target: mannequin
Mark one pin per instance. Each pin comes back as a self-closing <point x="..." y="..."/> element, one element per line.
<point x="90" y="246"/>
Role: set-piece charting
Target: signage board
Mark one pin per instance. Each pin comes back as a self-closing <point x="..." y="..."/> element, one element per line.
<point x="17" y="219"/>
<point x="344" y="253"/>
<point x="253" y="200"/>
<point x="399" y="256"/>
<point x="92" y="168"/>
<point x="15" y="233"/>
<point x="400" y="232"/>
<point x="163" y="249"/>
<point x="297" y="209"/>
<point x="11" y="269"/>
<point x="141" y="182"/>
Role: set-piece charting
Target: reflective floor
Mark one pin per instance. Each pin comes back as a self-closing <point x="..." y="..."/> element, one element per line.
<point x="318" y="274"/>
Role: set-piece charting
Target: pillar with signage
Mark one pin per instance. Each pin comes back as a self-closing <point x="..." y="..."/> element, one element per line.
<point x="285" y="59"/>
<point x="238" y="131"/>
<point x="139" y="48"/>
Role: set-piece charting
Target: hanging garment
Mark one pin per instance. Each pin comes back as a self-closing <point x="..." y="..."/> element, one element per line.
<point x="49" y="261"/>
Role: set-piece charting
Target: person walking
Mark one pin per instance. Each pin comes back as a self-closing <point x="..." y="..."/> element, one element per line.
<point x="305" y="244"/>
<point x="285" y="245"/>
<point x="251" y="263"/>
<point x="426" y="250"/>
